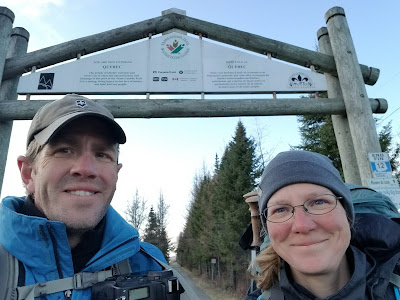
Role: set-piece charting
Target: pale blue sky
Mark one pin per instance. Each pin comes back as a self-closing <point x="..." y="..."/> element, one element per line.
<point x="165" y="154"/>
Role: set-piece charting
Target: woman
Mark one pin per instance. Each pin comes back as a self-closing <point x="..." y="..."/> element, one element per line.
<point x="307" y="211"/>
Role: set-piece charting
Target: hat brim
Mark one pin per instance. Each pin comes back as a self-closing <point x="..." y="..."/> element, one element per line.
<point x="47" y="133"/>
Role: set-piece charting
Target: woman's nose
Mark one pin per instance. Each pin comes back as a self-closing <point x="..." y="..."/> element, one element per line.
<point x="302" y="221"/>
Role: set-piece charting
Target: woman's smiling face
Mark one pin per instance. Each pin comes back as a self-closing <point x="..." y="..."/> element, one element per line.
<point x="310" y="244"/>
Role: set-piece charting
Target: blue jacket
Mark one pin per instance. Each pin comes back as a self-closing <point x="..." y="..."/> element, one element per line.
<point x="42" y="246"/>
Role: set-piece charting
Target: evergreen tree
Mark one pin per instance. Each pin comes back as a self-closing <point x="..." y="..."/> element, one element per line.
<point x="216" y="163"/>
<point x="239" y="169"/>
<point x="151" y="232"/>
<point x="317" y="135"/>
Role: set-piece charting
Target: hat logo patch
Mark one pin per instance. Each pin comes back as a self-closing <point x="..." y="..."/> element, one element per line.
<point x="81" y="103"/>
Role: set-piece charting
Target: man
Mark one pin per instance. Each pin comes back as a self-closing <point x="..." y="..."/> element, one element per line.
<point x="66" y="224"/>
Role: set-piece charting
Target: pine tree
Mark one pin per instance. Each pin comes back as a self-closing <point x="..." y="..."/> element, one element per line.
<point x="317" y="135"/>
<point x="239" y="169"/>
<point x="151" y="232"/>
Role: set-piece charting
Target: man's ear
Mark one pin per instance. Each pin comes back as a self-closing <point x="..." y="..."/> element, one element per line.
<point x="26" y="169"/>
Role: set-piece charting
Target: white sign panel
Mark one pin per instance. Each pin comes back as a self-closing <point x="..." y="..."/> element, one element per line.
<point x="380" y="165"/>
<point x="118" y="70"/>
<point x="173" y="63"/>
<point x="229" y="70"/>
<point x="383" y="183"/>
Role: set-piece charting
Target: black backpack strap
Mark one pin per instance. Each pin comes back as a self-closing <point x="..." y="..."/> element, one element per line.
<point x="122" y="267"/>
<point x="9" y="268"/>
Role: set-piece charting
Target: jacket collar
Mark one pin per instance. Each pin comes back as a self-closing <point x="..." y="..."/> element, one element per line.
<point x="355" y="289"/>
<point x="33" y="240"/>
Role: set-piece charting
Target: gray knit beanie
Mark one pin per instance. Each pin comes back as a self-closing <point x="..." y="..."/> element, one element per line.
<point x="299" y="166"/>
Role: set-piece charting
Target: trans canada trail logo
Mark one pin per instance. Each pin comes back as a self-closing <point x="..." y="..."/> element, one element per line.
<point x="175" y="46"/>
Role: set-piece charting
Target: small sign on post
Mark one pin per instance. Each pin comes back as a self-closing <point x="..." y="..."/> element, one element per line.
<point x="383" y="180"/>
<point x="380" y="165"/>
<point x="213" y="263"/>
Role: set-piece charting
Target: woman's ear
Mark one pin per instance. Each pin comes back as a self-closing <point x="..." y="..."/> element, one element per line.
<point x="26" y="169"/>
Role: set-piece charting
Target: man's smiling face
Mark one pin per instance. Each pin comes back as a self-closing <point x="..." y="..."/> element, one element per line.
<point x="74" y="177"/>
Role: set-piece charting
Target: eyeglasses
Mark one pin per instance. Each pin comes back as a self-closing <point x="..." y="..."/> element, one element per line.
<point x="318" y="205"/>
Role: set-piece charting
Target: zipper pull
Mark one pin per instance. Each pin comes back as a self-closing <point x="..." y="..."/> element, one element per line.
<point x="67" y="295"/>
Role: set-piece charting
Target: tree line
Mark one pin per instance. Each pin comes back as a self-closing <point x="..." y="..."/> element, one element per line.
<point x="218" y="214"/>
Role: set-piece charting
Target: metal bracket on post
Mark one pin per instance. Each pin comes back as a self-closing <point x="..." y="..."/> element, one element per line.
<point x="28" y="96"/>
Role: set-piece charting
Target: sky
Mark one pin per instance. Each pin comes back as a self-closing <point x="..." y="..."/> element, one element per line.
<point x="164" y="155"/>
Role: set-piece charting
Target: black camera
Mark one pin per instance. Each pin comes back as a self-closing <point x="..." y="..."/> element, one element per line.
<point x="156" y="285"/>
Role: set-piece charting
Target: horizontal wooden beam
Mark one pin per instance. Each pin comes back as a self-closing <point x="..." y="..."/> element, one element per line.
<point x="101" y="41"/>
<point x="182" y="108"/>
<point x="283" y="51"/>
<point x="69" y="50"/>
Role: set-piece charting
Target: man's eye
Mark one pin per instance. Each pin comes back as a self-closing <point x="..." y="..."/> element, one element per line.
<point x="104" y="156"/>
<point x="63" y="150"/>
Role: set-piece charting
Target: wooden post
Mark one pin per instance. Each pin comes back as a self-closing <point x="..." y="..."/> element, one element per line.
<point x="252" y="200"/>
<point x="340" y="122"/>
<point x="6" y="21"/>
<point x="359" y="114"/>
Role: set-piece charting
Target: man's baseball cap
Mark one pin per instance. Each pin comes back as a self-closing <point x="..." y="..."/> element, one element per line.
<point x="50" y="118"/>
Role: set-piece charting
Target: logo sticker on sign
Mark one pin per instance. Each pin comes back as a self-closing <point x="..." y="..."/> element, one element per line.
<point x="380" y="165"/>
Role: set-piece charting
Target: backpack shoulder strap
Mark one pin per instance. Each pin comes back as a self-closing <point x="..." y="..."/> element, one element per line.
<point x="273" y="293"/>
<point x="395" y="279"/>
<point x="79" y="281"/>
<point x="266" y="295"/>
<point x="8" y="273"/>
